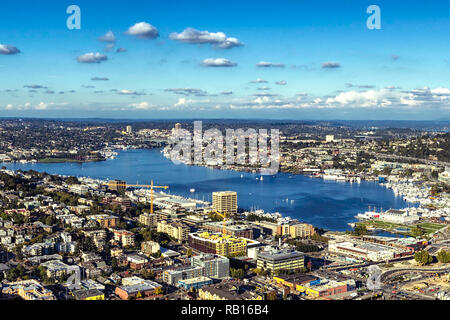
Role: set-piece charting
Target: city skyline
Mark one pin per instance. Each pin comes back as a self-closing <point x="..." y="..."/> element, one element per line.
<point x="298" y="60"/>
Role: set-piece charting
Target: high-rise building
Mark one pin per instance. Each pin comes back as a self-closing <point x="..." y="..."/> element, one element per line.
<point x="129" y="129"/>
<point x="225" y="202"/>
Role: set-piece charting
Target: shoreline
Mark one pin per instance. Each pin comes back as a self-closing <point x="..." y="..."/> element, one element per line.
<point x="249" y="209"/>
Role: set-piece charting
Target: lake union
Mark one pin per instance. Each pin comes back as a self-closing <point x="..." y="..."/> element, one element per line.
<point x="326" y="204"/>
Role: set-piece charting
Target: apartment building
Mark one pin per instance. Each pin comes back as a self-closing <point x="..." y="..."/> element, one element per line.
<point x="177" y="230"/>
<point x="225" y="202"/>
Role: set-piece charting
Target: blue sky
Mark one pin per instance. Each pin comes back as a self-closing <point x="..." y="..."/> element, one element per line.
<point x="322" y="62"/>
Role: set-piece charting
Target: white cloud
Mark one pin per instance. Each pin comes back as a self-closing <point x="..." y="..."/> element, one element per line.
<point x="143" y="30"/>
<point x="193" y="36"/>
<point x="259" y="81"/>
<point x="99" y="79"/>
<point x="187" y="91"/>
<point x="331" y="65"/>
<point x="218" y="62"/>
<point x="141" y="106"/>
<point x="108" y="37"/>
<point x="42" y="106"/>
<point x="92" y="58"/>
<point x="265" y="64"/>
<point x="129" y="93"/>
<point x="181" y="102"/>
<point x="8" y="50"/>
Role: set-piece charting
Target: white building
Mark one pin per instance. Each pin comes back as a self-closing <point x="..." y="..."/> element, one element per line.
<point x="363" y="250"/>
<point x="398" y="216"/>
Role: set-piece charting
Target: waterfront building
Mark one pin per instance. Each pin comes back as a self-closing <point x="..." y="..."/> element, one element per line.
<point x="398" y="216"/>
<point x="294" y="228"/>
<point x="301" y="230"/>
<point x="225" y="202"/>
<point x="117" y="185"/>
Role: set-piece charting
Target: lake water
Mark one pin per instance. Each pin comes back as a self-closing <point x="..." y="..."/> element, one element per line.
<point x="326" y="204"/>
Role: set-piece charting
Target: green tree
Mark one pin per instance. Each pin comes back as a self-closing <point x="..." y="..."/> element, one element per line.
<point x="237" y="273"/>
<point x="360" y="230"/>
<point x="417" y="231"/>
<point x="423" y="257"/>
<point x="443" y="256"/>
